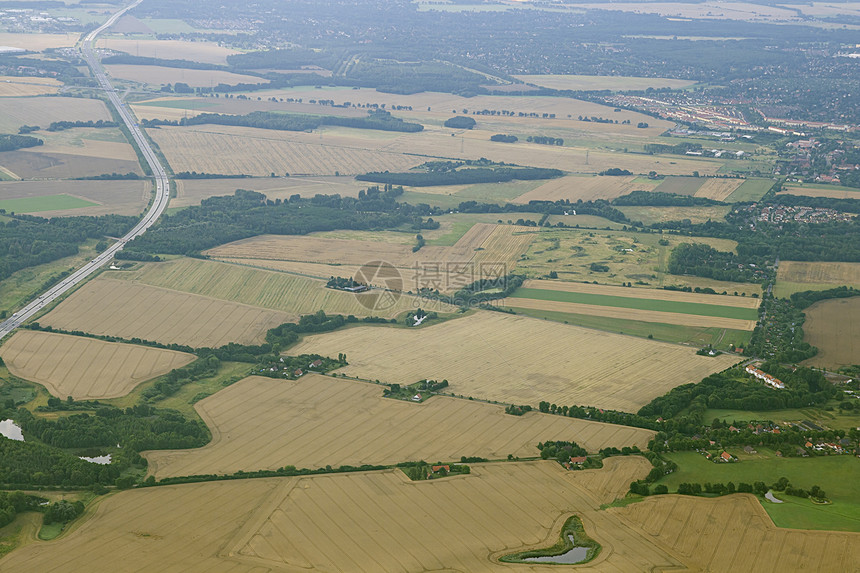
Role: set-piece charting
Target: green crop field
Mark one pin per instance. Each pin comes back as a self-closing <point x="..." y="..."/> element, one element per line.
<point x="719" y="338"/>
<point x="836" y="475"/>
<point x="638" y="303"/>
<point x="43" y="203"/>
<point x="750" y="190"/>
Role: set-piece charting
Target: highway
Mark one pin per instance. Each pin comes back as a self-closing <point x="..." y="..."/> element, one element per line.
<point x="159" y="203"/>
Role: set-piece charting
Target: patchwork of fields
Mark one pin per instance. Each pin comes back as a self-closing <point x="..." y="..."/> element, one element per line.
<point x="576" y="187"/>
<point x="811" y="190"/>
<point x="198" y="51"/>
<point x="264" y="423"/>
<point x="159" y="75"/>
<point x="14" y="86"/>
<point x="132" y="310"/>
<point x="649" y="305"/>
<point x="192" y="191"/>
<point x="70" y="198"/>
<point x="834" y="327"/>
<point x="520" y="360"/>
<point x="485" y="250"/>
<point x="42" y="111"/>
<point x="84" y="368"/>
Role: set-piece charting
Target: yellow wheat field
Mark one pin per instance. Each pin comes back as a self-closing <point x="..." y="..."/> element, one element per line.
<point x="131" y="310"/>
<point x="42" y="111"/>
<point x="835" y="274"/>
<point x="376" y="522"/>
<point x="484" y="250"/>
<point x="84" y="368"/>
<point x="515" y="359"/>
<point x="833" y="191"/>
<point x="587" y="188"/>
<point x="264" y="289"/>
<point x="718" y="189"/>
<point x="159" y="75"/>
<point x="38" y="42"/>
<point x="734" y="533"/>
<point x="260" y="152"/>
<point x="206" y="52"/>
<point x="15" y="86"/>
<point x="265" y="423"/>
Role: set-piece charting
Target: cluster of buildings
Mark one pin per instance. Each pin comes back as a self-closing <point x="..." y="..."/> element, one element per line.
<point x="688" y="109"/>
<point x="801" y="214"/>
<point x="771" y="381"/>
<point x="33" y="20"/>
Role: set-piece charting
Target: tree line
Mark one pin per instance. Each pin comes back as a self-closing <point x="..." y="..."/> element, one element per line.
<point x="376" y="119"/>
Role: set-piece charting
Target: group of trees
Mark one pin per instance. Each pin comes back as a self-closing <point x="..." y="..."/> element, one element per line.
<point x="63" y="125"/>
<point x="661" y="199"/>
<point x="11" y="142"/>
<point x="468" y="176"/>
<point x="376" y="119"/>
<point x="460" y="122"/>
<point x="703" y="260"/>
<point x="504" y="138"/>
<point x="545" y="140"/>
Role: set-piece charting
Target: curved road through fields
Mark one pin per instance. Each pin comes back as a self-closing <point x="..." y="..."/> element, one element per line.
<point x="162" y="188"/>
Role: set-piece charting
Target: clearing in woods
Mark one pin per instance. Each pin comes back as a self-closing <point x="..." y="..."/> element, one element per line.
<point x="84" y="368"/>
<point x="131" y="310"/>
<point x="351" y="522"/>
<point x="264" y="289"/>
<point x="484" y="250"/>
<point x="96" y="197"/>
<point x="265" y="423"/>
<point x="587" y="188"/>
<point x="231" y="150"/>
<point x="356" y="429"/>
<point x="159" y="75"/>
<point x="520" y="360"/>
<point x="796" y="276"/>
<point x="834" y="327"/>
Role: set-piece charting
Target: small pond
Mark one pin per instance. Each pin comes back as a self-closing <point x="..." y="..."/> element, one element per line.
<point x="575" y="555"/>
<point x="11" y="430"/>
<point x="102" y="460"/>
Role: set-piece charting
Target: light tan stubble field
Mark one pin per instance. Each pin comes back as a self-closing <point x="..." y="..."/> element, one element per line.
<point x="312" y="422"/>
<point x="84" y="368"/>
<point x="520" y="360"/>
<point x="380" y="521"/>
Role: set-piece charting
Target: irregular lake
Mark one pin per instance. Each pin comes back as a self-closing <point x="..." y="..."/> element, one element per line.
<point x="102" y="460"/>
<point x="11" y="430"/>
<point x="575" y="555"/>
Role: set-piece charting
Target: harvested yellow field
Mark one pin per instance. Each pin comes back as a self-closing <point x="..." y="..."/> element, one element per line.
<point x="520" y="360"/>
<point x="264" y="423"/>
<point x="484" y="250"/>
<point x="734" y="533"/>
<point x="38" y="42"/>
<point x="192" y="191"/>
<point x="835" y="274"/>
<point x="260" y="152"/>
<point x="159" y="75"/>
<point x="42" y="111"/>
<point x="380" y="521"/>
<point x="263" y="289"/>
<point x="206" y="52"/>
<point x="696" y="215"/>
<point x="832" y="191"/>
<point x="84" y="368"/>
<point x="834" y="327"/>
<point x="14" y="86"/>
<point x="575" y="187"/>
<point x="796" y="276"/>
<point x="131" y="310"/>
<point x="718" y="189"/>
<point x="678" y="318"/>
<point x="646" y="293"/>
<point x="576" y="82"/>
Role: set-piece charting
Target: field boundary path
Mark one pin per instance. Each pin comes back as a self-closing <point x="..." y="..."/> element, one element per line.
<point x="159" y="203"/>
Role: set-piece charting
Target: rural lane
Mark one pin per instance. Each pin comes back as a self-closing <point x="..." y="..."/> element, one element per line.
<point x="159" y="203"/>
